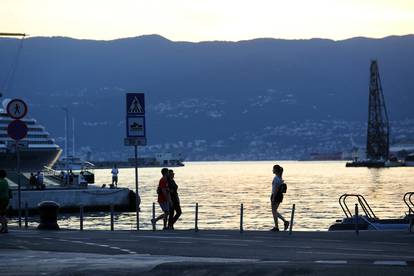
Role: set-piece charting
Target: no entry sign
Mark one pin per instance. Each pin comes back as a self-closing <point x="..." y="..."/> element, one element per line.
<point x="17" y="130"/>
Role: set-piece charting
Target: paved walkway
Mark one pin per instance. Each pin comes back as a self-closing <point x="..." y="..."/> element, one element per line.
<point x="206" y="252"/>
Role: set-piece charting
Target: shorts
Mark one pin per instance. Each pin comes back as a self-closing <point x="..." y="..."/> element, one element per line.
<point x="165" y="206"/>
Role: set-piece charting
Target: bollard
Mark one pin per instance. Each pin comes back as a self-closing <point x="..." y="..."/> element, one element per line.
<point x="112" y="217"/>
<point x="196" y="218"/>
<point x="241" y="218"/>
<point x="26" y="215"/>
<point x="356" y="220"/>
<point x="48" y="215"/>
<point x="81" y="217"/>
<point x="291" y="219"/>
<point x="153" y="217"/>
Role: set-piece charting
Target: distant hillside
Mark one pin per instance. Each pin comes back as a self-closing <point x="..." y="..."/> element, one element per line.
<point x="205" y="99"/>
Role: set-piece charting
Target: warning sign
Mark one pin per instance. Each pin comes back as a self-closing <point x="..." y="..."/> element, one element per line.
<point x="135" y="104"/>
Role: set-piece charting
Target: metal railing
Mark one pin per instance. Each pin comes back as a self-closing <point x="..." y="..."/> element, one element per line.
<point x="112" y="214"/>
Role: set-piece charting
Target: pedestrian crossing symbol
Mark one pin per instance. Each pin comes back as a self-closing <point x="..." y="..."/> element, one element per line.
<point x="135" y="104"/>
<point x="135" y="107"/>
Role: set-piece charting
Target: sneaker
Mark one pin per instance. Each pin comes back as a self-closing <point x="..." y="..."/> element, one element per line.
<point x="286" y="225"/>
<point x="274" y="229"/>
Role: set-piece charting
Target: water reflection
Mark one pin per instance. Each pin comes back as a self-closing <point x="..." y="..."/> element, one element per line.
<point x="220" y="187"/>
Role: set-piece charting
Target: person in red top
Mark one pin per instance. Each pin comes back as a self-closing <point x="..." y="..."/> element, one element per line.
<point x="164" y="198"/>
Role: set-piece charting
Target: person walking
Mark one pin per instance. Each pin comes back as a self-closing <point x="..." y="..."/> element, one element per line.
<point x="114" y="173"/>
<point x="164" y="199"/>
<point x="276" y="198"/>
<point x="40" y="180"/>
<point x="175" y="200"/>
<point x="33" y="182"/>
<point x="5" y="195"/>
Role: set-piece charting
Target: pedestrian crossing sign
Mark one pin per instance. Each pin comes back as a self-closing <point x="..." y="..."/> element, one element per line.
<point x="135" y="104"/>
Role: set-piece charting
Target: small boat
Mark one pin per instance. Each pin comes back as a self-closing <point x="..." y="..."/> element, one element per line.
<point x="368" y="220"/>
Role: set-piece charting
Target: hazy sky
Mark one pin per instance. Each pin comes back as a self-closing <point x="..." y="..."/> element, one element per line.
<point x="198" y="20"/>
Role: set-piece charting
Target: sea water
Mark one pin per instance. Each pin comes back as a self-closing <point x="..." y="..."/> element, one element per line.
<point x="220" y="187"/>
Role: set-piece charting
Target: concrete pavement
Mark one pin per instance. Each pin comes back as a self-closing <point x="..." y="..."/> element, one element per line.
<point x="206" y="252"/>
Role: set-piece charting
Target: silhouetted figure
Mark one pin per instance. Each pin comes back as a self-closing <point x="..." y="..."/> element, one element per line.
<point x="277" y="197"/>
<point x="175" y="207"/>
<point x="33" y="182"/>
<point x="164" y="199"/>
<point x="5" y="195"/>
<point x="114" y="173"/>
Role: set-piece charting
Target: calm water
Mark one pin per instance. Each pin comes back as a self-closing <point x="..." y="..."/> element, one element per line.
<point x="220" y="187"/>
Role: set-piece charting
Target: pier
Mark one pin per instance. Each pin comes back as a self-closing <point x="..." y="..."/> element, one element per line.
<point x="206" y="252"/>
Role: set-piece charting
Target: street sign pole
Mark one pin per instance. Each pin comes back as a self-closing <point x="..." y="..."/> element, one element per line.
<point x="138" y="200"/>
<point x="135" y="134"/>
<point x="18" y="183"/>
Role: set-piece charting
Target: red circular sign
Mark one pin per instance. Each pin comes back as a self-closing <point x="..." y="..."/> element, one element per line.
<point x="17" y="109"/>
<point x="17" y="130"/>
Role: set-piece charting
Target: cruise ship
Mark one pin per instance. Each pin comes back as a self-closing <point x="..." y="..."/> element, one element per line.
<point x="39" y="149"/>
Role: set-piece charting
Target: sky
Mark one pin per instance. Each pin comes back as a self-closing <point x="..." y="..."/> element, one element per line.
<point x="201" y="20"/>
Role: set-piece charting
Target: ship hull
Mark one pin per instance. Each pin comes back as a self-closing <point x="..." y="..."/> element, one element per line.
<point x="30" y="159"/>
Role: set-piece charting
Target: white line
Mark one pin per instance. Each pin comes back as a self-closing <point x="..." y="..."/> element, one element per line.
<point x="354" y="254"/>
<point x="183" y="242"/>
<point x="201" y="239"/>
<point x="274" y="262"/>
<point x="115" y="247"/>
<point x="331" y="262"/>
<point x="359" y="249"/>
<point x="230" y="244"/>
<point x="328" y="240"/>
<point x="132" y="252"/>
<point x="120" y="240"/>
<point x="390" y="243"/>
<point x="290" y="246"/>
<point x="399" y="263"/>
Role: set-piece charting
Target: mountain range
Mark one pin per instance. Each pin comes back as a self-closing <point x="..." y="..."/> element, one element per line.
<point x="211" y="100"/>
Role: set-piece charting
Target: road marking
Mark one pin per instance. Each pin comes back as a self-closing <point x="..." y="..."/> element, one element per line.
<point x="390" y="243"/>
<point x="397" y="263"/>
<point x="290" y="246"/>
<point x="354" y="254"/>
<point x="331" y="262"/>
<point x="327" y="240"/>
<point x="120" y="240"/>
<point x="179" y="242"/>
<point x="274" y="262"/>
<point x="359" y="249"/>
<point x="230" y="244"/>
<point x="201" y="239"/>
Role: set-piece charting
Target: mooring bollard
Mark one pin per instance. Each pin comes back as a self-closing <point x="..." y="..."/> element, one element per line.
<point x="356" y="220"/>
<point x="112" y="217"/>
<point x="26" y="215"/>
<point x="81" y="217"/>
<point x="153" y="217"/>
<point x="196" y="218"/>
<point x="241" y="218"/>
<point x="291" y="219"/>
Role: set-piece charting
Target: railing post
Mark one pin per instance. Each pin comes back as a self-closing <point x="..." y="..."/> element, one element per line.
<point x="26" y="215"/>
<point x="356" y="220"/>
<point x="292" y="219"/>
<point x="153" y="216"/>
<point x="112" y="217"/>
<point x="81" y="217"/>
<point x="196" y="218"/>
<point x="241" y="218"/>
